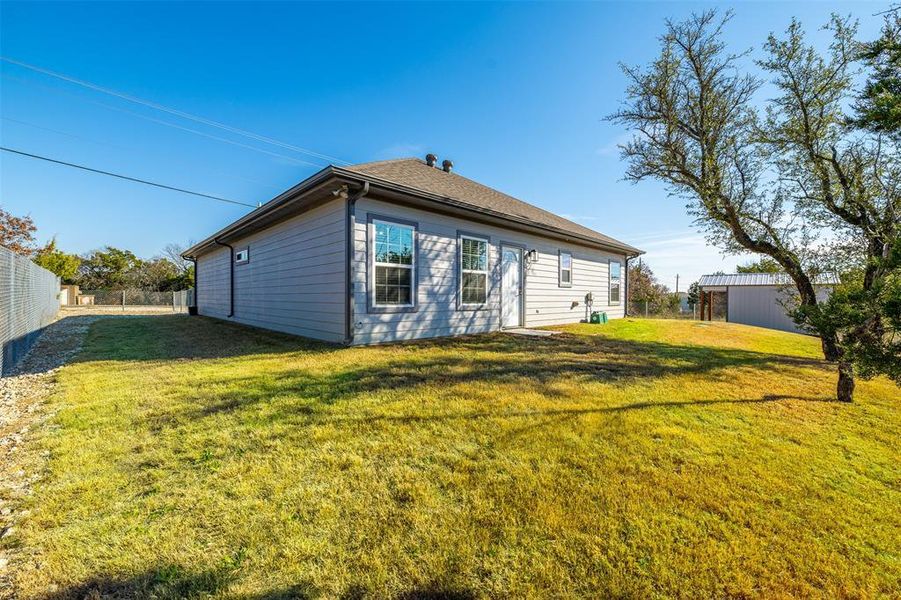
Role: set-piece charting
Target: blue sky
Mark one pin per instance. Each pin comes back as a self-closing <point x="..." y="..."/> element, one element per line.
<point x="515" y="94"/>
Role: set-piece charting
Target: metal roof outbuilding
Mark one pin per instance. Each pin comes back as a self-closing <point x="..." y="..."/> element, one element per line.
<point x="737" y="279"/>
<point x="760" y="299"/>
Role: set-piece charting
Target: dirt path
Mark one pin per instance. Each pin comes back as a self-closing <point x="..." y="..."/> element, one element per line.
<point x="22" y="410"/>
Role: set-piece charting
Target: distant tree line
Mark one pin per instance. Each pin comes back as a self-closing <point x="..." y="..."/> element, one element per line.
<point x="107" y="268"/>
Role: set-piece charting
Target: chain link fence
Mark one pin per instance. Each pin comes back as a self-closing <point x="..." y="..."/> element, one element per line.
<point x="650" y="310"/>
<point x="29" y="301"/>
<point x="175" y="301"/>
<point x="666" y="307"/>
<point x="182" y="300"/>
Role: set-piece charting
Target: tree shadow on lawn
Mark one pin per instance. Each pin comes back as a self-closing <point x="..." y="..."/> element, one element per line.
<point x="175" y="582"/>
<point x="162" y="337"/>
<point x="173" y="337"/>
<point x="538" y="364"/>
<point x="547" y="366"/>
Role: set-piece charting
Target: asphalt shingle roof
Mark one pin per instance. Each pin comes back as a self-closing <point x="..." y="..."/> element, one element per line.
<point x="415" y="173"/>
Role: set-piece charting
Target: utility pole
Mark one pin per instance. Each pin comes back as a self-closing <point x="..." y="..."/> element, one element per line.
<point x="677" y="283"/>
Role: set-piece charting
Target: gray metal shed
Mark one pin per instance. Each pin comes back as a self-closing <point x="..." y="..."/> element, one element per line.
<point x="761" y="299"/>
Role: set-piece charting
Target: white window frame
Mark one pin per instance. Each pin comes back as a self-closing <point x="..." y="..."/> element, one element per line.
<point x="560" y="269"/>
<point x="619" y="283"/>
<point x="461" y="270"/>
<point x="375" y="264"/>
<point x="246" y="252"/>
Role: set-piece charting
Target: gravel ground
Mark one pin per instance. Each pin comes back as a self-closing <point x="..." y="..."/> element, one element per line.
<point x="22" y="410"/>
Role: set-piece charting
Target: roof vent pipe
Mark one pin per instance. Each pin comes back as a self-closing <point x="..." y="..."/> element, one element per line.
<point x="431" y="159"/>
<point x="447" y="165"/>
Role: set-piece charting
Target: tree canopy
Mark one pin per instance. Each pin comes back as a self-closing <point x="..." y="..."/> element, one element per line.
<point x="878" y="106"/>
<point x="17" y="233"/>
<point x="64" y="265"/>
<point x="764" y="265"/>
<point x="646" y="294"/>
<point x="800" y="182"/>
<point x="112" y="268"/>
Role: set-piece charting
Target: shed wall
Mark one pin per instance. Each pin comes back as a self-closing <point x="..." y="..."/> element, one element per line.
<point x="765" y="305"/>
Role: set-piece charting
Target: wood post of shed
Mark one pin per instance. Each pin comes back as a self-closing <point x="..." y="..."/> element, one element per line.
<point x="706" y="306"/>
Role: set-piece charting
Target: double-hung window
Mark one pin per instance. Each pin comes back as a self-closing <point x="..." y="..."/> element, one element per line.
<point x="566" y="269"/>
<point x="473" y="271"/>
<point x="615" y="275"/>
<point x="394" y="264"/>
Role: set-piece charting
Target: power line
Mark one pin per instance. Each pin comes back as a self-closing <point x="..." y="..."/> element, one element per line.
<point x="58" y="132"/>
<point x="174" y="111"/>
<point x="125" y="177"/>
<point x="217" y="138"/>
<point x="93" y="141"/>
<point x="212" y="137"/>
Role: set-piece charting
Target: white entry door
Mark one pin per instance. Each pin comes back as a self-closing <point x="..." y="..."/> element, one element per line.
<point x="511" y="286"/>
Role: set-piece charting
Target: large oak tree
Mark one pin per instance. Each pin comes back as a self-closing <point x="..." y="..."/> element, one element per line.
<point x="798" y="181"/>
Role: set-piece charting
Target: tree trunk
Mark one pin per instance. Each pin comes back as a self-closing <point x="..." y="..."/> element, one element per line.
<point x="832" y="352"/>
<point x="830" y="347"/>
<point x="845" y="390"/>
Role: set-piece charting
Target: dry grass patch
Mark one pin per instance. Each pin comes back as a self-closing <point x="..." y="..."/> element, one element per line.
<point x="193" y="458"/>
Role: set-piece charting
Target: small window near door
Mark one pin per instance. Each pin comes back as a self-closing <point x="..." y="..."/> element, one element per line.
<point x="473" y="271"/>
<point x="615" y="275"/>
<point x="566" y="269"/>
<point x="242" y="256"/>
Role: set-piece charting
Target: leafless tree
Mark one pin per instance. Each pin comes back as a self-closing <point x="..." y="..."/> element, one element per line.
<point x="173" y="252"/>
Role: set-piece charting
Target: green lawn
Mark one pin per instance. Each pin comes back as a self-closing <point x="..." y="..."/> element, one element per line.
<point x="643" y="458"/>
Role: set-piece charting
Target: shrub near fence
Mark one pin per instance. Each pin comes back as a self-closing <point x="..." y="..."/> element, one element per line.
<point x="29" y="301"/>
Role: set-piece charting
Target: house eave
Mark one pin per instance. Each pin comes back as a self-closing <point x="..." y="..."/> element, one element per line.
<point x="322" y="185"/>
<point x="301" y="197"/>
<point x="400" y="193"/>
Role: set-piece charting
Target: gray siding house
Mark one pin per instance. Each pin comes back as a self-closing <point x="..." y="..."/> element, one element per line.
<point x="403" y="249"/>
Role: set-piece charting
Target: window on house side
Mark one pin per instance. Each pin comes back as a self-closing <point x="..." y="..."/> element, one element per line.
<point x="393" y="264"/>
<point x="615" y="275"/>
<point x="242" y="255"/>
<point x="473" y="271"/>
<point x="566" y="269"/>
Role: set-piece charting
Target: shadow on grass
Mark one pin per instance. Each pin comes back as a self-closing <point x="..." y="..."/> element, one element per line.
<point x="176" y="583"/>
<point x="171" y="337"/>
<point x="534" y="364"/>
<point x="165" y="581"/>
<point x="765" y="399"/>
<point x="489" y="361"/>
